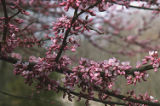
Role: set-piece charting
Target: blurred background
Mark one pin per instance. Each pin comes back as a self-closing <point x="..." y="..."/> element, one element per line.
<point x="134" y="23"/>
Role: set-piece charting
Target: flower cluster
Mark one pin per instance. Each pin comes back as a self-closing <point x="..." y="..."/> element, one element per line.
<point x="10" y="45"/>
<point x="13" y="42"/>
<point x="16" y="55"/>
<point x="153" y="59"/>
<point x="39" y="69"/>
<point x="64" y="23"/>
<point x="136" y="78"/>
<point x="145" y="97"/>
<point x="89" y="74"/>
<point x="82" y="4"/>
<point x="56" y="44"/>
<point x="22" y="69"/>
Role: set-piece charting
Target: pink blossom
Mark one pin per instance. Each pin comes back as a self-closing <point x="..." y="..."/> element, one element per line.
<point x="16" y="55"/>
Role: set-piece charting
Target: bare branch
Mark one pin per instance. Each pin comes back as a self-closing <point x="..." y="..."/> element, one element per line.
<point x="23" y="97"/>
<point x="14" y="15"/>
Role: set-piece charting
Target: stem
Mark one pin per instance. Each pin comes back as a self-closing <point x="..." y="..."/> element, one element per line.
<point x="125" y="98"/>
<point x="93" y="99"/>
<point x="64" y="43"/>
<point x="23" y="97"/>
<point x="5" y="30"/>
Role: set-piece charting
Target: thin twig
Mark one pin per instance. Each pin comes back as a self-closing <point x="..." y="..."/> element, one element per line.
<point x="14" y="15"/>
<point x="23" y="97"/>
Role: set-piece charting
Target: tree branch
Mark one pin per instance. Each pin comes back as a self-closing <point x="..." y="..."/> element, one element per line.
<point x="136" y="7"/>
<point x="62" y="89"/>
<point x="93" y="99"/>
<point x="128" y="72"/>
<point x="14" y="15"/>
<point x="5" y="28"/>
<point x="22" y="97"/>
<point x="64" y="43"/>
<point x="122" y="97"/>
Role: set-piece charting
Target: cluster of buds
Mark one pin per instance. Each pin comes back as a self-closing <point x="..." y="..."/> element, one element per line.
<point x="145" y="97"/>
<point x="10" y="45"/>
<point x="89" y="74"/>
<point x="138" y="76"/>
<point x="39" y="69"/>
<point x="82" y="4"/>
<point x="153" y="59"/>
<point x="63" y="23"/>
